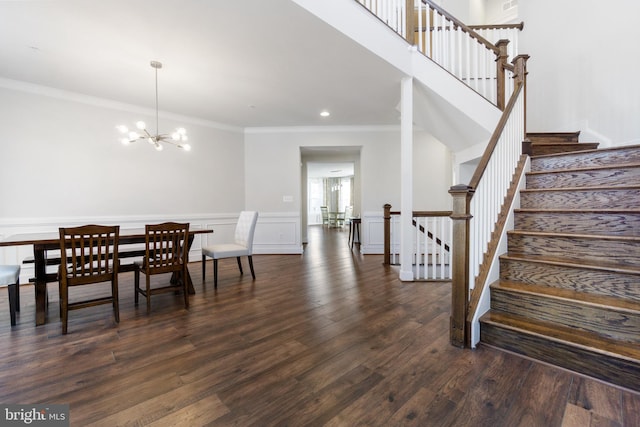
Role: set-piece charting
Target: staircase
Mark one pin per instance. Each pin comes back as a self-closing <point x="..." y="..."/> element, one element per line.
<point x="569" y="287"/>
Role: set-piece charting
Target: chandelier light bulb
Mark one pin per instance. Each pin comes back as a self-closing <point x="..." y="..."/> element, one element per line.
<point x="141" y="125"/>
<point x="125" y="141"/>
<point x="185" y="147"/>
<point x="158" y="147"/>
<point x="122" y="128"/>
<point x="133" y="135"/>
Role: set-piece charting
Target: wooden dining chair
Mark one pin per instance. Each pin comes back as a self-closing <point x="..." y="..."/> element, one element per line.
<point x="242" y="246"/>
<point x="166" y="251"/>
<point x="10" y="277"/>
<point x="88" y="255"/>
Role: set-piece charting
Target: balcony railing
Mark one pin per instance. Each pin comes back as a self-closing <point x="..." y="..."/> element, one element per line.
<point x="465" y="52"/>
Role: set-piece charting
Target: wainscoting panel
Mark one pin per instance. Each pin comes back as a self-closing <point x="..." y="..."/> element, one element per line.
<point x="276" y="233"/>
<point x="372" y="233"/>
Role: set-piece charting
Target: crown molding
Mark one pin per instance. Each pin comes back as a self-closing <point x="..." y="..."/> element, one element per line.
<point x="322" y="129"/>
<point x="35" y="89"/>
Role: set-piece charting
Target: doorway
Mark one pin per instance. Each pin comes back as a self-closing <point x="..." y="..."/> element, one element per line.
<point x="330" y="177"/>
<point x="330" y="185"/>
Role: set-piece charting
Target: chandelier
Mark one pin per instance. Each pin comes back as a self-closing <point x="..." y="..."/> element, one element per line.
<point x="178" y="137"/>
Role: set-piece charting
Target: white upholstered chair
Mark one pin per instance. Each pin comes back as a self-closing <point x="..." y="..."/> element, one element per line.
<point x="10" y="277"/>
<point x="242" y="246"/>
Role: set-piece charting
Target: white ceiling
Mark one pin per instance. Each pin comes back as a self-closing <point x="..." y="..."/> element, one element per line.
<point x="249" y="63"/>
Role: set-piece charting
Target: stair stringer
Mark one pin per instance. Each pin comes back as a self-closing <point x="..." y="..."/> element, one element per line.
<point x="484" y="304"/>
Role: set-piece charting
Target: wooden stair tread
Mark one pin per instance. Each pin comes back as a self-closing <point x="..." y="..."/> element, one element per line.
<point x="592" y="188"/>
<point x="593" y="265"/>
<point x="563" y="334"/>
<point x="575" y="235"/>
<point x="562" y="143"/>
<point x="601" y="301"/>
<point x="599" y="150"/>
<point x="570" y="136"/>
<point x="581" y="210"/>
<point x="586" y="169"/>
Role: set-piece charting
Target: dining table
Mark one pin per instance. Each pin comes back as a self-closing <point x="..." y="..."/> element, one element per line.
<point x="50" y="241"/>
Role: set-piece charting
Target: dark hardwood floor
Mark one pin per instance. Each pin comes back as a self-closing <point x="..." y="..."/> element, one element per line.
<point x="330" y="337"/>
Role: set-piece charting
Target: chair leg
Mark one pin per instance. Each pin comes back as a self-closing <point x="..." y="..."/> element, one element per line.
<point x="215" y="273"/>
<point x="136" y="284"/>
<point x="114" y="295"/>
<point x="18" y="296"/>
<point x="64" y="299"/>
<point x="148" y="293"/>
<point x="185" y="289"/>
<point x="253" y="274"/>
<point x="204" y="264"/>
<point x="13" y="301"/>
<point x="240" y="265"/>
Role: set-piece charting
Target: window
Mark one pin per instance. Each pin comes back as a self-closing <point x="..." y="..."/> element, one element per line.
<point x="335" y="193"/>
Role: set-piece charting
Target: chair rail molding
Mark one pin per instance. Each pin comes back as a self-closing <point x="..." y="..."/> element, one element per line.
<point x="276" y="232"/>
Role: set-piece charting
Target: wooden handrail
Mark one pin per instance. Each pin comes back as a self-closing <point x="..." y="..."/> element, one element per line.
<point x="519" y="26"/>
<point x="420" y="214"/>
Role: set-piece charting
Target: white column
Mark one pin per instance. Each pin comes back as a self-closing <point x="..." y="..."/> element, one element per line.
<point x="406" y="179"/>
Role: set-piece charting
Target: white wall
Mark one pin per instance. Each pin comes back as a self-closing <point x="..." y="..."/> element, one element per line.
<point x="273" y="170"/>
<point x="62" y="164"/>
<point x="495" y="14"/>
<point x="582" y="68"/>
<point x="432" y="174"/>
<point x="61" y="158"/>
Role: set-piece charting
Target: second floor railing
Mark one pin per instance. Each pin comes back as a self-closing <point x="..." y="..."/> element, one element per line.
<point x="458" y="48"/>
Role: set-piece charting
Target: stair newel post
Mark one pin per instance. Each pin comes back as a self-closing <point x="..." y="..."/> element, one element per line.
<point x="520" y="76"/>
<point x="409" y="28"/>
<point x="387" y="234"/>
<point x="501" y="62"/>
<point x="459" y="329"/>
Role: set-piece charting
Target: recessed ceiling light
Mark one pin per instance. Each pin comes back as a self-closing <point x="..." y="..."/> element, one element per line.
<point x="325" y="113"/>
